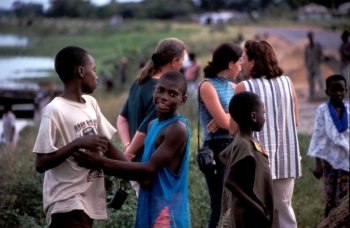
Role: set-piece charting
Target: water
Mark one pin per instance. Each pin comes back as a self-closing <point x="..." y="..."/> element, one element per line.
<point x="12" y="41"/>
<point x="15" y="68"/>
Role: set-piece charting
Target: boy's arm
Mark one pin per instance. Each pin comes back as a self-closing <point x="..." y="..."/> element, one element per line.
<point x="242" y="185"/>
<point x="317" y="141"/>
<point x="114" y="153"/>
<point x="46" y="161"/>
<point x="174" y="137"/>
<point x="223" y="157"/>
<point x="318" y="170"/>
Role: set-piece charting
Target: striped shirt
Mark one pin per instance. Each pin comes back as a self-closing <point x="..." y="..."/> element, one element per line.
<point x="279" y="134"/>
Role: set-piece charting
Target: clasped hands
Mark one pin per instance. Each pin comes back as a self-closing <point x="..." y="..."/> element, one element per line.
<point x="91" y="151"/>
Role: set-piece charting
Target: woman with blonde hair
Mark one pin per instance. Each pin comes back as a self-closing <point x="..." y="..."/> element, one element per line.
<point x="279" y="134"/>
<point x="139" y="109"/>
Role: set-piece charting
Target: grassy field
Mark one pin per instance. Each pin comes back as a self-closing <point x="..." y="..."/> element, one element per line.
<point x="21" y="185"/>
<point x="135" y="40"/>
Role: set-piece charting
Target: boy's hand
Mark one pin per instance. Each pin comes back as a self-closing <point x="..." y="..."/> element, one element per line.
<point x="88" y="159"/>
<point x="146" y="183"/>
<point x="93" y="142"/>
<point x="318" y="172"/>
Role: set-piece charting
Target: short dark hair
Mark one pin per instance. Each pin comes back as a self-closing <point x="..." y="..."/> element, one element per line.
<point x="191" y="56"/>
<point x="222" y="56"/>
<point x="67" y="59"/>
<point x="333" y="78"/>
<point x="177" y="77"/>
<point x="242" y="105"/>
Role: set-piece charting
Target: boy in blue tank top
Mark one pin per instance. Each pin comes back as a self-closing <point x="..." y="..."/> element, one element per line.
<point x="163" y="172"/>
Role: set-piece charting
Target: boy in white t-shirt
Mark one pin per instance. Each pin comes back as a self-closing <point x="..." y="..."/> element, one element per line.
<point x="73" y="196"/>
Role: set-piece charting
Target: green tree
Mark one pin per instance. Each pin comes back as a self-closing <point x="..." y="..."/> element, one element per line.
<point x="22" y="9"/>
<point x="108" y="10"/>
<point x="239" y="5"/>
<point x="70" y="8"/>
<point x="332" y="3"/>
<point x="209" y="5"/>
<point x="165" y="9"/>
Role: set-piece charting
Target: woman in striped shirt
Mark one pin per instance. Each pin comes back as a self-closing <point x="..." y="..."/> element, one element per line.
<point x="279" y="135"/>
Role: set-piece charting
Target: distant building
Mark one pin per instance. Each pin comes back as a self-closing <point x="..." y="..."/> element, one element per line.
<point x="314" y="12"/>
<point x="212" y="18"/>
<point x="344" y="9"/>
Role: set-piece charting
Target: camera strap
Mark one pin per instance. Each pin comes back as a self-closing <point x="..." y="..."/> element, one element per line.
<point x="119" y="186"/>
<point x="199" y="103"/>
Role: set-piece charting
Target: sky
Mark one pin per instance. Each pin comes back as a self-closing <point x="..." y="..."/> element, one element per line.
<point x="6" y="4"/>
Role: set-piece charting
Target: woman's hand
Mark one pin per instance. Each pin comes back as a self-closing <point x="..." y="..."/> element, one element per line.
<point x="88" y="159"/>
<point x="130" y="156"/>
<point x="212" y="126"/>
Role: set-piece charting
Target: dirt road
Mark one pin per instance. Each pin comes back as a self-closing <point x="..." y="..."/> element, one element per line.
<point x="329" y="40"/>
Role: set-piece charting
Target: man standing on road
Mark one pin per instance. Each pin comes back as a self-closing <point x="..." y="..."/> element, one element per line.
<point x="344" y="51"/>
<point x="313" y="56"/>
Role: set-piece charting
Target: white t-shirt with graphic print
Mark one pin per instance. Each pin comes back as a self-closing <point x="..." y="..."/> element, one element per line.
<point x="70" y="187"/>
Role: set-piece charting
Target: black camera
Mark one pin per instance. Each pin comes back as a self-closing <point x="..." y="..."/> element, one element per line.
<point x="118" y="199"/>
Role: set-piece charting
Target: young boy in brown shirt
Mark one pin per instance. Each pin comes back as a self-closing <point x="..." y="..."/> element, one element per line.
<point x="248" y="194"/>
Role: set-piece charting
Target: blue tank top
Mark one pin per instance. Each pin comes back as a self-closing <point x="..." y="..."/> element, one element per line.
<point x="225" y="92"/>
<point x="168" y="189"/>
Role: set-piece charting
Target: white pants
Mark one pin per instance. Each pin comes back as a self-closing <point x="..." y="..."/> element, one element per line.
<point x="283" y="192"/>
